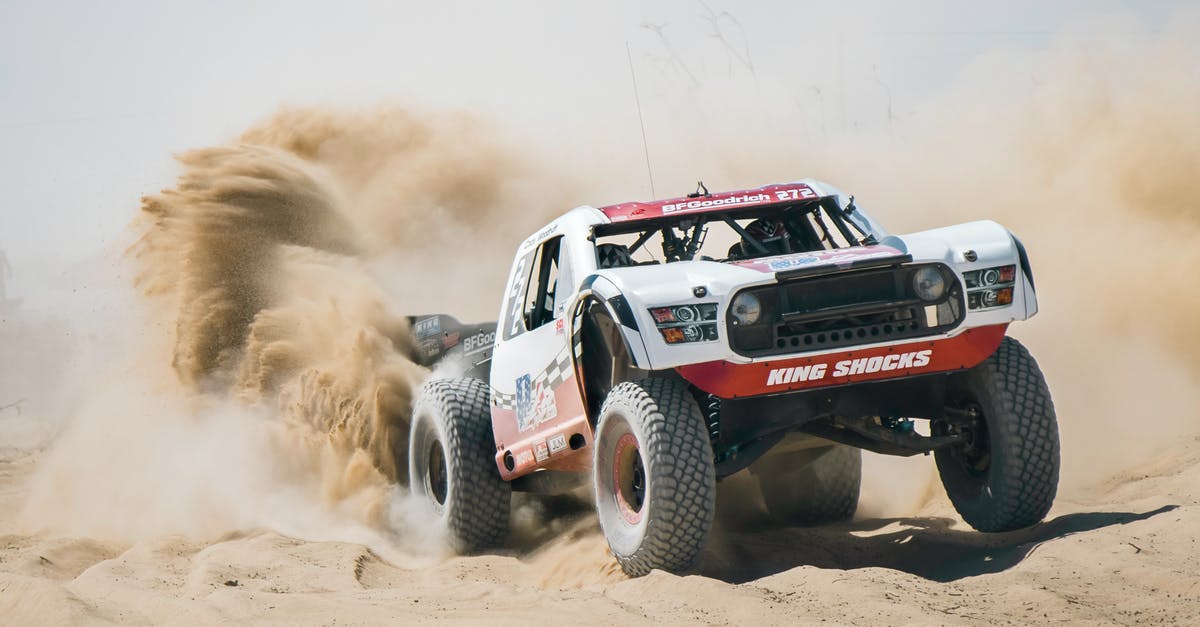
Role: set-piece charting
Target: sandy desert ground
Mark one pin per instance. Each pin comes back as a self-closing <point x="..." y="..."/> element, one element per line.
<point x="1125" y="554"/>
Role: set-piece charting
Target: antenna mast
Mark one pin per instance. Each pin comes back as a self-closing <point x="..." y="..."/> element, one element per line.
<point x="641" y="121"/>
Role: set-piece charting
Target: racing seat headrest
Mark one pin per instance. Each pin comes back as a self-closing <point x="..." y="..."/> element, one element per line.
<point x="614" y="256"/>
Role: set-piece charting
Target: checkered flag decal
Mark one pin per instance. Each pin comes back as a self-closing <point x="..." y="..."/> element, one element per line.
<point x="551" y="377"/>
<point x="554" y="375"/>
<point x="504" y="401"/>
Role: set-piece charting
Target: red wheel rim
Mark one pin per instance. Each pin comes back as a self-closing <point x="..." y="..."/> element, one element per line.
<point x="629" y="479"/>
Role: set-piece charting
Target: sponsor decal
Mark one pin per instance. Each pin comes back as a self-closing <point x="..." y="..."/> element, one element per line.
<point x="838" y="257"/>
<point x="787" y="264"/>
<point x="535" y="403"/>
<point x="428" y="326"/>
<point x="479" y="342"/>
<point x="850" y="367"/>
<point x="540" y="235"/>
<point x="557" y="443"/>
<point x="732" y="201"/>
<point x="847" y="257"/>
<point x="559" y="326"/>
<point x="540" y="452"/>
<point x="524" y="457"/>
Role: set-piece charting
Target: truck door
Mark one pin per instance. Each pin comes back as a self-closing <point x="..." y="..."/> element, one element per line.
<point x="537" y="412"/>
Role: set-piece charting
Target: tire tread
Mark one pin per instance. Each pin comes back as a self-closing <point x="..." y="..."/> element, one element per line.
<point x="478" y="504"/>
<point x="683" y="491"/>
<point x="1022" y="495"/>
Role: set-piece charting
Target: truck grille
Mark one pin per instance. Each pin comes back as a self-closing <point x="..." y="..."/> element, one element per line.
<point x="845" y="308"/>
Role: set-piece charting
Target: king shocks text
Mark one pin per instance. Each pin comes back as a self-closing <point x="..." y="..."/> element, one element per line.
<point x="850" y="367"/>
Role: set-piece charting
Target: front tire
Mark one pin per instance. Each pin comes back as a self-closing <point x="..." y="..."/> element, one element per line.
<point x="451" y="463"/>
<point x="653" y="476"/>
<point x="1004" y="475"/>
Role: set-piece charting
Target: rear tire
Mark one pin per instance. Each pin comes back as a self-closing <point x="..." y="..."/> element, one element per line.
<point x="653" y="476"/>
<point x="1004" y="475"/>
<point x="824" y="490"/>
<point x="451" y="463"/>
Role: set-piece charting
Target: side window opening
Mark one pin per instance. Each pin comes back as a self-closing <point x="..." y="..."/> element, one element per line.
<point x="542" y="295"/>
<point x="564" y="283"/>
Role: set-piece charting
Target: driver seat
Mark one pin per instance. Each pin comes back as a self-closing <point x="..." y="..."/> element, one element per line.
<point x="614" y="256"/>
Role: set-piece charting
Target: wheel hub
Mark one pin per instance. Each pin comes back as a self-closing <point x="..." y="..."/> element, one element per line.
<point x="436" y="478"/>
<point x="974" y="453"/>
<point x="629" y="479"/>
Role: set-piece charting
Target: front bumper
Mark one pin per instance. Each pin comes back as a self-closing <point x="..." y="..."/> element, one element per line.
<point x="929" y="355"/>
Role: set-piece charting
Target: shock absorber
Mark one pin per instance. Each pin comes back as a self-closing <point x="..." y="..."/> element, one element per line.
<point x="712" y="415"/>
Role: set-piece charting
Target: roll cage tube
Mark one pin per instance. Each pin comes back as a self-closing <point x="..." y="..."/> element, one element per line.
<point x="842" y="217"/>
<point x="824" y="215"/>
<point x="684" y="248"/>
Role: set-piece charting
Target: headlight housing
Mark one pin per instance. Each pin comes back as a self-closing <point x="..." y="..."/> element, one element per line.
<point x="745" y="309"/>
<point x="682" y="324"/>
<point x="929" y="284"/>
<point x="990" y="287"/>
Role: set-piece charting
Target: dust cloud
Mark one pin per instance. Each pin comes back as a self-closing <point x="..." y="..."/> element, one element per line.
<point x="273" y="377"/>
<point x="1089" y="154"/>
<point x="1094" y="170"/>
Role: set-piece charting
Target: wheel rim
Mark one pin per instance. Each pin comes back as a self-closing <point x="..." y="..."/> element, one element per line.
<point x="629" y="479"/>
<point x="436" y="476"/>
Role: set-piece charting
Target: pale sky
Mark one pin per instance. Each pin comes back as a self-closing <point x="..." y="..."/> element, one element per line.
<point x="96" y="96"/>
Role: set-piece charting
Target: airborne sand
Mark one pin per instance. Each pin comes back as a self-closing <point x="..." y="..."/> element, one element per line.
<point x="242" y="426"/>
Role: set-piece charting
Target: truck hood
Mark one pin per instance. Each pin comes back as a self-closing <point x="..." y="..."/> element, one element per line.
<point x="840" y="258"/>
<point x="674" y="282"/>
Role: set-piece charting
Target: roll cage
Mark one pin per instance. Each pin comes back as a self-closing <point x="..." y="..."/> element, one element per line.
<point x="811" y="225"/>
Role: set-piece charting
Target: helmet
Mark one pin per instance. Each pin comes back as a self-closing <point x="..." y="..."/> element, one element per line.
<point x="771" y="233"/>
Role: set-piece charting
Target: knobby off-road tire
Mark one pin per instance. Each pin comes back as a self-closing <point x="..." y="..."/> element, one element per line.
<point x="1005" y="476"/>
<point x="822" y="491"/>
<point x="452" y="464"/>
<point x="653" y="476"/>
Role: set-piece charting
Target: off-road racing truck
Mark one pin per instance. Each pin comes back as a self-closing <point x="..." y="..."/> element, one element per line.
<point x="658" y="347"/>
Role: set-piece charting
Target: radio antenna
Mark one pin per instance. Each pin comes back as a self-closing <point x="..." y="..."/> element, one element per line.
<point x="641" y="121"/>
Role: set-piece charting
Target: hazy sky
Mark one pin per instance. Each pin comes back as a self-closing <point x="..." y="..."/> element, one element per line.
<point x="95" y="96"/>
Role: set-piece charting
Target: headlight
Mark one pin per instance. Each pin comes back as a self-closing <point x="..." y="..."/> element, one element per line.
<point x="681" y="324"/>
<point x="746" y="308"/>
<point x="929" y="283"/>
<point x="985" y="299"/>
<point x="990" y="276"/>
<point x="990" y="287"/>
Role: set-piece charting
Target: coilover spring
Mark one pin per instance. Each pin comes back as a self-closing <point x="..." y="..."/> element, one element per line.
<point x="712" y="415"/>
